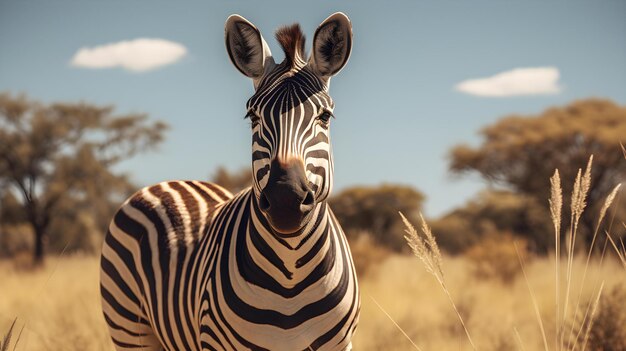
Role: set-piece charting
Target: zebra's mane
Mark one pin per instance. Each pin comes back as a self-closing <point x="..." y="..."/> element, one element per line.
<point x="291" y="39"/>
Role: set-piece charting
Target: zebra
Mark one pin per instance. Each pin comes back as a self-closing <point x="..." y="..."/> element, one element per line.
<point x="186" y="265"/>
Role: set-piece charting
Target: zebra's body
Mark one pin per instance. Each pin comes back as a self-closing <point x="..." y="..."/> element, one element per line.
<point x="177" y="290"/>
<point x="145" y="264"/>
<point x="188" y="266"/>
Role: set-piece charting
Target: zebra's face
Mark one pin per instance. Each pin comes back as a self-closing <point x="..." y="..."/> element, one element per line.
<point x="290" y="114"/>
<point x="291" y="153"/>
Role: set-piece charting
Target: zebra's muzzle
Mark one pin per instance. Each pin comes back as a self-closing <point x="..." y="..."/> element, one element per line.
<point x="287" y="200"/>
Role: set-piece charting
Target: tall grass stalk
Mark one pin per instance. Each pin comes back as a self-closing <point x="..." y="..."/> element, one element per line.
<point x="6" y="341"/>
<point x="518" y="338"/>
<point x="4" y="345"/>
<point x="556" y="205"/>
<point x="593" y="316"/>
<point x="577" y="206"/>
<point x="396" y="324"/>
<point x="426" y="249"/>
<point x="621" y="252"/>
<point x="534" y="300"/>
<point x="605" y="207"/>
<point x="590" y="312"/>
<point x="43" y="287"/>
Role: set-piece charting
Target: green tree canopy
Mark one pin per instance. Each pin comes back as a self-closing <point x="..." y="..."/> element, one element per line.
<point x="57" y="159"/>
<point x="522" y="152"/>
<point x="374" y="211"/>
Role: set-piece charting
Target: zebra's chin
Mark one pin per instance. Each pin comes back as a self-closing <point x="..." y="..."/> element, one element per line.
<point x="289" y="226"/>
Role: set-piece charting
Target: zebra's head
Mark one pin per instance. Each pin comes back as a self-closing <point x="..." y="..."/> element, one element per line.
<point x="290" y="115"/>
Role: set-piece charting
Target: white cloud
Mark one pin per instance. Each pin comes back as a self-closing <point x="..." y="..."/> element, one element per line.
<point x="138" y="55"/>
<point x="518" y="81"/>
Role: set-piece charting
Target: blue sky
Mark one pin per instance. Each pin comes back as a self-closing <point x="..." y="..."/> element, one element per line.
<point x="398" y="111"/>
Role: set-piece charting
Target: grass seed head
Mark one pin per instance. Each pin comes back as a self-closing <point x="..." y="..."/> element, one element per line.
<point x="556" y="200"/>
<point x="424" y="247"/>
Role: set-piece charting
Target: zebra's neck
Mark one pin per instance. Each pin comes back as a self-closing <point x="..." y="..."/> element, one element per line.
<point x="290" y="261"/>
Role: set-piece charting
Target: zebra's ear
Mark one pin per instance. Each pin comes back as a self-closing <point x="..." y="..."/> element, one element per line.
<point x="246" y="48"/>
<point x="332" y="44"/>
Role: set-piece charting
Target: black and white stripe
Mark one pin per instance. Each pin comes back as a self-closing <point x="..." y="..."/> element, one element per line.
<point x="187" y="266"/>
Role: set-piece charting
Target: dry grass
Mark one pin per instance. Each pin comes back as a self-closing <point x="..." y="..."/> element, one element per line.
<point x="573" y="323"/>
<point x="492" y="310"/>
<point x="403" y="307"/>
<point x="608" y="332"/>
<point x="619" y="250"/>
<point x="424" y="246"/>
<point x="5" y="343"/>
<point x="58" y="305"/>
<point x="495" y="256"/>
<point x="366" y="253"/>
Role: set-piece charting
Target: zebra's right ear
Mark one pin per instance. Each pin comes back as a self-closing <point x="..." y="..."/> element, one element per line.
<point x="246" y="48"/>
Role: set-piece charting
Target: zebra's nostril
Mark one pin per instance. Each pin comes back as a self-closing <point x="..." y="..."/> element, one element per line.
<point x="264" y="204"/>
<point x="309" y="199"/>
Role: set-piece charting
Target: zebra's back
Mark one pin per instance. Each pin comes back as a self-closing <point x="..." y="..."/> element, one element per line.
<point x="145" y="282"/>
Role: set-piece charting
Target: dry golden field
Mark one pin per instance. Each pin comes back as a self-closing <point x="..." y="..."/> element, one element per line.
<point x="59" y="305"/>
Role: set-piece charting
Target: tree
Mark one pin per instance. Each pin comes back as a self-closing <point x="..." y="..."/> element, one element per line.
<point x="58" y="160"/>
<point x="492" y="213"/>
<point x="522" y="152"/>
<point x="374" y="211"/>
<point x="233" y="181"/>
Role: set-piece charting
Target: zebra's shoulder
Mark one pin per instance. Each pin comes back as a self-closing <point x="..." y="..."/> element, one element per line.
<point x="184" y="190"/>
<point x="190" y="199"/>
<point x="178" y="211"/>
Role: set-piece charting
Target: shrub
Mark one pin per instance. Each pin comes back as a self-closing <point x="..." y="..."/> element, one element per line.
<point x="495" y="257"/>
<point x="14" y="239"/>
<point x="608" y="331"/>
<point x="366" y="253"/>
<point x="494" y="210"/>
<point x="374" y="210"/>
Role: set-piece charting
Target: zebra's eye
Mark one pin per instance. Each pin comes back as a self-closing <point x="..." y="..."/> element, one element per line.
<point x="325" y="117"/>
<point x="254" y="119"/>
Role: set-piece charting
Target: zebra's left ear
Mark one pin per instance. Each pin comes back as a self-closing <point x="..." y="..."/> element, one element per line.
<point x="332" y="44"/>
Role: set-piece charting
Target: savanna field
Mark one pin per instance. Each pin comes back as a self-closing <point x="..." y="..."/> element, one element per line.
<point x="497" y="295"/>
<point x="59" y="305"/>
<point x="477" y="169"/>
<point x="539" y="269"/>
